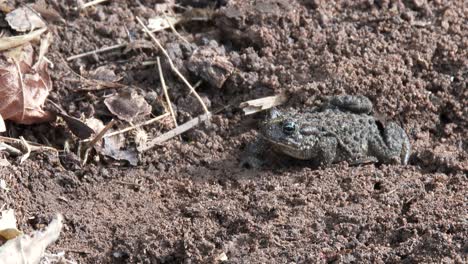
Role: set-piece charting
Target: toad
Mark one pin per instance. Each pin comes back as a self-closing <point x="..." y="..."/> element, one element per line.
<point x="343" y="129"/>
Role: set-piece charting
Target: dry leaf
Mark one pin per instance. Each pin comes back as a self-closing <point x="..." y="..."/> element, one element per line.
<point x="112" y="146"/>
<point x="4" y="162"/>
<point x="164" y="7"/>
<point x="105" y="74"/>
<point x="30" y="249"/>
<point x="6" y="7"/>
<point x="138" y="44"/>
<point x="77" y="127"/>
<point x="8" y="228"/>
<point x="23" y="90"/>
<point x="162" y="22"/>
<point x="11" y="42"/>
<point x="47" y="11"/>
<point x="221" y="257"/>
<point x="210" y="64"/>
<point x="23" y="53"/>
<point x="127" y="105"/>
<point x="24" y="19"/>
<point x="3" y="184"/>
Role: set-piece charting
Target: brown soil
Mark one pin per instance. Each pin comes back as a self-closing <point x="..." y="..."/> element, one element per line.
<point x="189" y="201"/>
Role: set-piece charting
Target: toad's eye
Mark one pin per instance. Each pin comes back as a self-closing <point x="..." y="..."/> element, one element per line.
<point x="289" y="127"/>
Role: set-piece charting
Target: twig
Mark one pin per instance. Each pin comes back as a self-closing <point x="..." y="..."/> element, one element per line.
<point x="148" y="63"/>
<point x="101" y="134"/>
<point x="195" y="86"/>
<point x="10" y="149"/>
<point x="113" y="47"/>
<point x="155" y="40"/>
<point x="174" y="30"/>
<point x="45" y="43"/>
<point x="28" y="150"/>
<point x="257" y="105"/>
<point x="93" y="142"/>
<point x="32" y="145"/>
<point x="76" y="250"/>
<point x="390" y="192"/>
<point x="177" y="131"/>
<point x="94" y="2"/>
<point x="21" y="85"/>
<point x="133" y="127"/>
<point x="168" y="100"/>
<point x="134" y="184"/>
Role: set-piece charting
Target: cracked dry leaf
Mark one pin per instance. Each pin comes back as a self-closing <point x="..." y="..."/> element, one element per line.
<point x="24" y="19"/>
<point x="23" y="89"/>
<point x="127" y="105"/>
<point x="114" y="147"/>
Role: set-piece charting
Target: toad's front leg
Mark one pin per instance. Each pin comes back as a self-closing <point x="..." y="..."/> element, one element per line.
<point x="253" y="153"/>
<point x="326" y="150"/>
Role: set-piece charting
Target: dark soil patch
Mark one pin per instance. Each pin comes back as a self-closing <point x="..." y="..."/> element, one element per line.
<point x="189" y="201"/>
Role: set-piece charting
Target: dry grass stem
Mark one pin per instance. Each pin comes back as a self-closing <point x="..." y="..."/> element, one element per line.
<point x="197" y="84"/>
<point x="105" y="49"/>
<point x="177" y="131"/>
<point x="89" y="145"/>
<point x="166" y="95"/>
<point x="148" y="122"/>
<point x="44" y="47"/>
<point x="257" y="105"/>
<point x="175" y="31"/>
<point x="32" y="145"/>
<point x="28" y="150"/>
<point x="101" y="133"/>
<point x="21" y="85"/>
<point x="94" y="2"/>
<point x="10" y="149"/>
<point x="149" y="63"/>
<point x="155" y="40"/>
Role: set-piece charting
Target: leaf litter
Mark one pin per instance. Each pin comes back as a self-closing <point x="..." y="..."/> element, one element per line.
<point x="127" y="105"/>
<point x="111" y="146"/>
<point x="24" y="19"/>
<point x="24" y="86"/>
